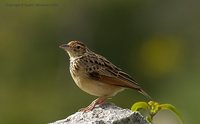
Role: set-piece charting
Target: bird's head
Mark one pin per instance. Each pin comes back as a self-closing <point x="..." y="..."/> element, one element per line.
<point x="74" y="48"/>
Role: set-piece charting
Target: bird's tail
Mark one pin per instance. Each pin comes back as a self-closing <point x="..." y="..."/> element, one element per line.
<point x="144" y="93"/>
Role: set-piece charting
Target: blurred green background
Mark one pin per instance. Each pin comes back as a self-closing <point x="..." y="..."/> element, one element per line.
<point x="157" y="42"/>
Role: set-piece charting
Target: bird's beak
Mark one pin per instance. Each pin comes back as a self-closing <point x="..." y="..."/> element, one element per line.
<point x="64" y="46"/>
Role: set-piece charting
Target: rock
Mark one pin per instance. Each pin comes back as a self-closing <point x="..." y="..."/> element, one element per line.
<point x="107" y="113"/>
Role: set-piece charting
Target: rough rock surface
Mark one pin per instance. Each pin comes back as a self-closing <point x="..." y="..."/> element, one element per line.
<point x="107" y="113"/>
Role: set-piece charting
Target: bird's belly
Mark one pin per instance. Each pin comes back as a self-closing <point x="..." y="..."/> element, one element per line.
<point x="96" y="88"/>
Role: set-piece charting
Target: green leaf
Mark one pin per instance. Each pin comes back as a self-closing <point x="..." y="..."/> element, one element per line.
<point x="154" y="107"/>
<point x="171" y="108"/>
<point x="140" y="105"/>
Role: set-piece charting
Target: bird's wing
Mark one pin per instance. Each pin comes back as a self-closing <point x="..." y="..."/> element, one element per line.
<point x="106" y="72"/>
<point x="118" y="82"/>
<point x="113" y="80"/>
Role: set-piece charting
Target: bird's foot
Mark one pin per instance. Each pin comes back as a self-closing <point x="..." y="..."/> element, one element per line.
<point x="98" y="101"/>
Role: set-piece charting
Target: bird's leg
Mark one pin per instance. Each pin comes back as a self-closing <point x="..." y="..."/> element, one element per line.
<point x="97" y="101"/>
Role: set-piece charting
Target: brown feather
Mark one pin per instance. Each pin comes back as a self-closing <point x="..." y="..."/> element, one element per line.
<point x="114" y="80"/>
<point x="123" y="83"/>
<point x="118" y="82"/>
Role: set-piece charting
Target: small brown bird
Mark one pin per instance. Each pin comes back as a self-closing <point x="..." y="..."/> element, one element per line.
<point x="96" y="75"/>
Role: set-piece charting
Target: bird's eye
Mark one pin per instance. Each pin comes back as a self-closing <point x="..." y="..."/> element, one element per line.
<point x="78" y="47"/>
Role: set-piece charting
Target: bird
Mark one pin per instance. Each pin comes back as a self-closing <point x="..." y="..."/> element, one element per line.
<point x="96" y="75"/>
